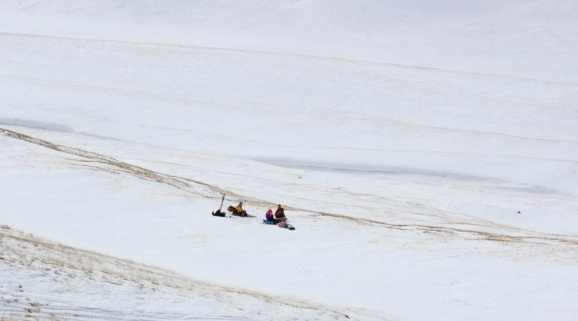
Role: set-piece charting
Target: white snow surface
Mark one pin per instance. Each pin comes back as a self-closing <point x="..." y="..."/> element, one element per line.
<point x="425" y="151"/>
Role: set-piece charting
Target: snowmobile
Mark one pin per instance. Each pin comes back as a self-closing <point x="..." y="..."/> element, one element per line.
<point x="231" y="209"/>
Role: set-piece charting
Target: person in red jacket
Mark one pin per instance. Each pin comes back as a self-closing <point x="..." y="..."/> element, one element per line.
<point x="270" y="218"/>
<point x="280" y="214"/>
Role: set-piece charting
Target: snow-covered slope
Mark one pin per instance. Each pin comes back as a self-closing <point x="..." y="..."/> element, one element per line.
<point x="295" y="109"/>
<point x="527" y="38"/>
<point x="369" y="247"/>
<point x="92" y="286"/>
<point x="427" y="153"/>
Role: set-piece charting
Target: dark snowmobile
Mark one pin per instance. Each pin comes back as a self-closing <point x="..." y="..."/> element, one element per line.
<point x="219" y="212"/>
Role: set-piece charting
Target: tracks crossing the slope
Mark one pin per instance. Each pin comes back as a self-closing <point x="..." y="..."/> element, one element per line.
<point x="105" y="163"/>
<point x="459" y="229"/>
<point x="163" y="46"/>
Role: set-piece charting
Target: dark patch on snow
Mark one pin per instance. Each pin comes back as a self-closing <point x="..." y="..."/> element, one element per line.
<point x="410" y="172"/>
<point x="35" y="125"/>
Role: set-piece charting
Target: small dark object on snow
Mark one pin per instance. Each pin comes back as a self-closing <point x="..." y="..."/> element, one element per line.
<point x="219" y="213"/>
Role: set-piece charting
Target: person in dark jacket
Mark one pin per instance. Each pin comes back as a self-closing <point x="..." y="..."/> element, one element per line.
<point x="280" y="214"/>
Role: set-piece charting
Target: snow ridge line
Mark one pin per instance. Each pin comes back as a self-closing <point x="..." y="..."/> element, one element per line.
<point x="532" y="237"/>
<point x="118" y="166"/>
<point x="113" y="165"/>
<point x="74" y="86"/>
<point x="491" y="232"/>
<point x="164" y="46"/>
<point x="66" y="263"/>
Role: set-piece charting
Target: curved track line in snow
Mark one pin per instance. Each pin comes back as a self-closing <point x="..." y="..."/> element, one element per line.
<point x="76" y="87"/>
<point x="344" y="60"/>
<point x="114" y="165"/>
<point x="531" y="238"/>
<point x="464" y="229"/>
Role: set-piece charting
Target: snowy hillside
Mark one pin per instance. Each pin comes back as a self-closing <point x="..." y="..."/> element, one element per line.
<point x="526" y="38"/>
<point x="427" y="153"/>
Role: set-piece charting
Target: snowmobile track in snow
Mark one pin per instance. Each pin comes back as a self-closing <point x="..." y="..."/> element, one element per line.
<point x="490" y="232"/>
